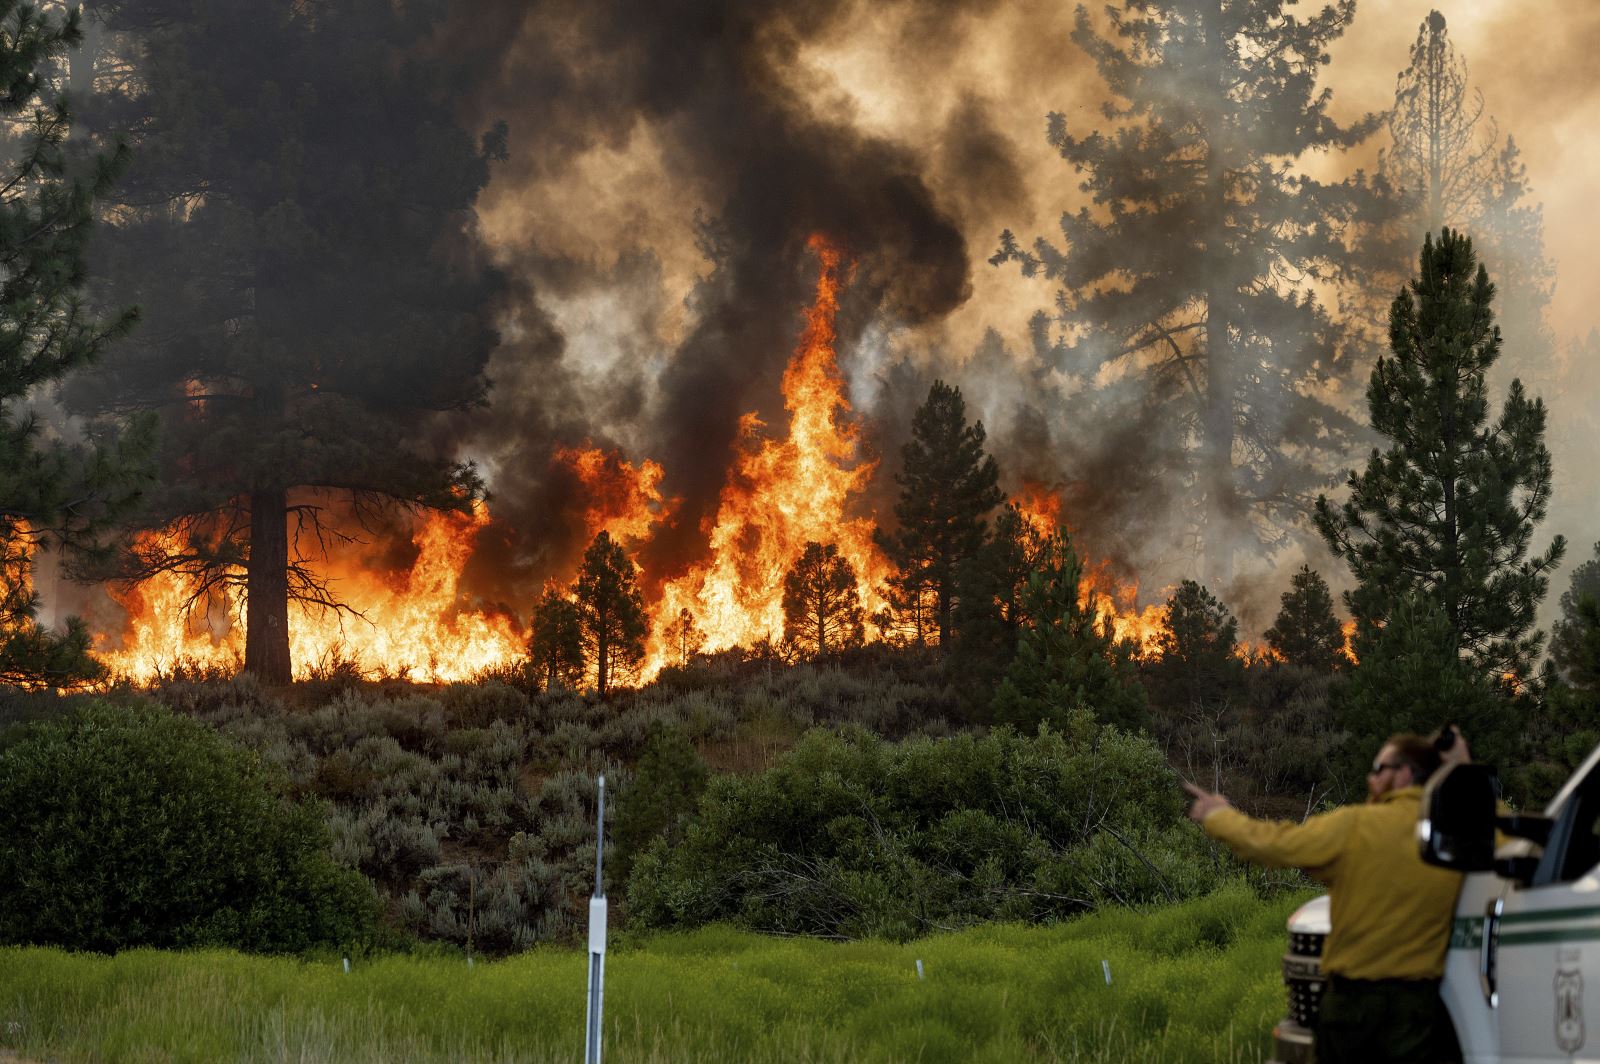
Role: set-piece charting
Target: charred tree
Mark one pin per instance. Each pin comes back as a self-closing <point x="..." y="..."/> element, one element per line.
<point x="299" y="227"/>
<point x="1192" y="274"/>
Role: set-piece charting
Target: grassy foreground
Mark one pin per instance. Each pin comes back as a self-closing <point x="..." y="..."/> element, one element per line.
<point x="1194" y="982"/>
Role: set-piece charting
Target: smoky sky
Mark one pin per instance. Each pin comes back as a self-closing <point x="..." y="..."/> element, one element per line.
<point x="768" y="165"/>
<point x="669" y="161"/>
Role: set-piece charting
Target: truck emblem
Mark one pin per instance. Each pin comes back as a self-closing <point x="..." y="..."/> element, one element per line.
<point x="1569" y="1010"/>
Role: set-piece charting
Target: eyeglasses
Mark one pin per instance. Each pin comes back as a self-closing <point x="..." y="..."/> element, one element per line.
<point x="1380" y="767"/>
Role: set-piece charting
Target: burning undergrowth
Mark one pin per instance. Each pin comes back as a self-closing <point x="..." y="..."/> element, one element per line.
<point x="392" y="597"/>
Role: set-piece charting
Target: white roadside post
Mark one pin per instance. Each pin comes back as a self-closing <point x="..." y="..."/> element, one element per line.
<point x="597" y="938"/>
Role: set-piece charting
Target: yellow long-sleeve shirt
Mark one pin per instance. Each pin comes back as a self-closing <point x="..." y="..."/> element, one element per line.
<point x="1391" y="913"/>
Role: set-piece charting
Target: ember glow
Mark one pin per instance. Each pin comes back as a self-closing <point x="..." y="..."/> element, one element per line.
<point x="781" y="494"/>
<point x="408" y="623"/>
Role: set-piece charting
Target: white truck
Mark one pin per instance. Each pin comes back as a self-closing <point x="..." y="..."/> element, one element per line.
<point x="1522" y="974"/>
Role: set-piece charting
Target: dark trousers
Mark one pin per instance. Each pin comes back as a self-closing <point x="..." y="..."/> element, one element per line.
<point x="1384" y="1021"/>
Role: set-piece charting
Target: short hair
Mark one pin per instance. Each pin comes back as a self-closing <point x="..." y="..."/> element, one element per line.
<point x="1417" y="753"/>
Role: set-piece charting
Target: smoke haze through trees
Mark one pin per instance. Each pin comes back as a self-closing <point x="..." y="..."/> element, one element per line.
<point x="666" y="167"/>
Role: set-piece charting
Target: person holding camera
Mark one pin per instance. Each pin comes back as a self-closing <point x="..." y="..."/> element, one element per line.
<point x="1391" y="914"/>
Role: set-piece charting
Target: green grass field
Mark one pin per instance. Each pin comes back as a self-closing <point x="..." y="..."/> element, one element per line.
<point x="1192" y="982"/>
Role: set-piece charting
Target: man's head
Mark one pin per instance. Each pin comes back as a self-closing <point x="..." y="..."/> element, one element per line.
<point x="1405" y="760"/>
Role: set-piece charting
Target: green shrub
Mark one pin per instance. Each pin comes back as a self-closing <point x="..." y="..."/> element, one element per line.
<point x="131" y="826"/>
<point x="666" y="785"/>
<point x="850" y="836"/>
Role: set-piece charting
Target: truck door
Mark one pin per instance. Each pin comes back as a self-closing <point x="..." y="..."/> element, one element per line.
<point x="1544" y="942"/>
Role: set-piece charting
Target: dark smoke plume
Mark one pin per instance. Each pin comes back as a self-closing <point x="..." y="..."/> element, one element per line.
<point x="714" y="81"/>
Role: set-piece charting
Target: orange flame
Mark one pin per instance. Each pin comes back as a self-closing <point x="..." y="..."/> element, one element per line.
<point x="410" y="623"/>
<point x="622" y="499"/>
<point x="781" y="494"/>
<point x="1117" y="602"/>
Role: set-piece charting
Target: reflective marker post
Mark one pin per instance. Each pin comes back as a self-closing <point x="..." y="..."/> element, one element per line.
<point x="597" y="938"/>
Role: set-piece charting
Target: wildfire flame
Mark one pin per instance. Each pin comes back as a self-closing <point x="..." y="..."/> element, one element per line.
<point x="781" y="494"/>
<point x="409" y="623"/>
<point x="1117" y="602"/>
<point x="621" y="498"/>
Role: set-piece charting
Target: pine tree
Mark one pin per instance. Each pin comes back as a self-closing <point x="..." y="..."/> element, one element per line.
<point x="1450" y="162"/>
<point x="1306" y="632"/>
<point x="684" y="637"/>
<point x="1191" y="278"/>
<point x="555" y="642"/>
<point x="1196" y="665"/>
<point x="299" y="229"/>
<point x="1570" y="650"/>
<point x="1067" y="659"/>
<point x="1449" y="508"/>
<point x="1410" y="678"/>
<point x="948" y="486"/>
<point x="50" y="491"/>
<point x="993" y="608"/>
<point x="610" y="612"/>
<point x="821" y="606"/>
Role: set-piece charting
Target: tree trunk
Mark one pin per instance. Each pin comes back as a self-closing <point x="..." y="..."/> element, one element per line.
<point x="266" y="641"/>
<point x="1216" y="478"/>
<point x="602" y="650"/>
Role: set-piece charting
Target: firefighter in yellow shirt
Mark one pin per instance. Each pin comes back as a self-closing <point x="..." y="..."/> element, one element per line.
<point x="1390" y="913"/>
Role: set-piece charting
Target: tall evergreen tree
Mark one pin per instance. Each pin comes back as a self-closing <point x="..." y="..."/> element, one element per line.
<point x="994" y="605"/>
<point x="821" y="606"/>
<point x="1450" y="161"/>
<point x="1196" y="666"/>
<point x="1306" y="632"/>
<point x="51" y="492"/>
<point x="1409" y="676"/>
<point x="1067" y="659"/>
<point x="610" y="612"/>
<point x="555" y="642"/>
<point x="948" y="486"/>
<point x="1193" y="273"/>
<point x="298" y="225"/>
<point x="1569" y="647"/>
<point x="1449" y="508"/>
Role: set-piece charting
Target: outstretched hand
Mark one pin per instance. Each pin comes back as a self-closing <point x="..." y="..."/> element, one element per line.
<point x="1204" y="802"/>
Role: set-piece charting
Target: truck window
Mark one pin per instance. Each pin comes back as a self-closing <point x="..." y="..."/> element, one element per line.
<point x="1574" y="848"/>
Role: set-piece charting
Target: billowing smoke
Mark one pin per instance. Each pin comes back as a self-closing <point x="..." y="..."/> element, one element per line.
<point x="669" y="162"/>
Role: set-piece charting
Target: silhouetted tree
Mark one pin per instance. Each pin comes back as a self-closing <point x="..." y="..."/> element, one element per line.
<point x="1192" y="276"/>
<point x="1569" y="647"/>
<point x="684" y="637"/>
<point x="298" y="226"/>
<point x="994" y="605"/>
<point x="610" y="611"/>
<point x="555" y="643"/>
<point x="1449" y="160"/>
<point x="1067" y="659"/>
<point x="948" y="486"/>
<point x="1449" y="509"/>
<point x="1306" y="632"/>
<point x="50" y="492"/>
<point x="1196" y="664"/>
<point x="821" y="605"/>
